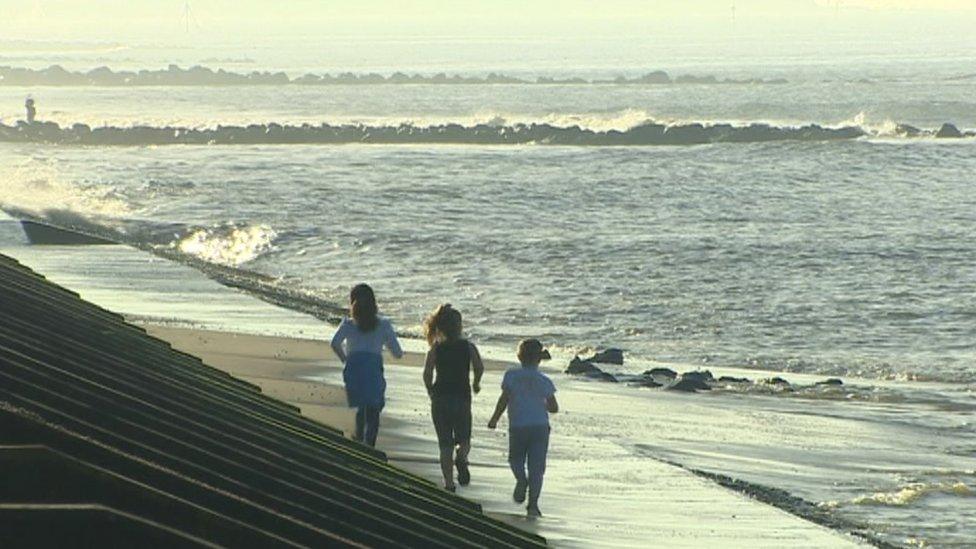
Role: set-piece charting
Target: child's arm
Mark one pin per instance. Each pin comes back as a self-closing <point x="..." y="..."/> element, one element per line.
<point x="337" y="339"/>
<point x="552" y="405"/>
<point x="392" y="343"/>
<point x="479" y="369"/>
<point x="499" y="410"/>
<point x="429" y="371"/>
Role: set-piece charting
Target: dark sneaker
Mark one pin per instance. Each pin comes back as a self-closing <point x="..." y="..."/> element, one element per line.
<point x="519" y="494"/>
<point x="451" y="489"/>
<point x="533" y="511"/>
<point x="464" y="474"/>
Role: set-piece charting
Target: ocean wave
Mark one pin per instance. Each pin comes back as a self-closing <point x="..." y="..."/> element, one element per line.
<point x="912" y="493"/>
<point x="38" y="185"/>
<point x="220" y="252"/>
<point x="230" y="245"/>
<point x="492" y="133"/>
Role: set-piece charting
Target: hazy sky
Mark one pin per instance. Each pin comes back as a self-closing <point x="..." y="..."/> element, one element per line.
<point x="162" y="20"/>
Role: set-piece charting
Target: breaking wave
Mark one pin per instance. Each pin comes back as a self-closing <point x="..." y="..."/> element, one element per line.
<point x="230" y="245"/>
<point x="221" y="252"/>
<point x="909" y="494"/>
<point x="38" y="185"/>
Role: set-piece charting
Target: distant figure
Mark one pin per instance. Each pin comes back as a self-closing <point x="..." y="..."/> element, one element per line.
<point x="31" y="111"/>
<point x="530" y="397"/>
<point x="359" y="342"/>
<point x="451" y="358"/>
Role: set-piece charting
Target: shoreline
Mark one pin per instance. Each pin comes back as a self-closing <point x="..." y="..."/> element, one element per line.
<point x="305" y="373"/>
<point x="607" y="431"/>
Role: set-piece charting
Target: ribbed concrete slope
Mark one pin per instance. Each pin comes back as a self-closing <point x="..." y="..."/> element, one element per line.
<point x="99" y="419"/>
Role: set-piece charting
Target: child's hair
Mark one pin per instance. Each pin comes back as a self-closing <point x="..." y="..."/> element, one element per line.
<point x="531" y="351"/>
<point x="444" y="324"/>
<point x="364" y="310"/>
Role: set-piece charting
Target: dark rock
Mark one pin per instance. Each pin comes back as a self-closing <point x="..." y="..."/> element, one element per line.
<point x="688" y="384"/>
<point x="774" y="381"/>
<point x="661" y="372"/>
<point x="687" y="134"/>
<point x="578" y="366"/>
<point x="609" y="356"/>
<point x="907" y="130"/>
<point x="833" y="382"/>
<point x="948" y="131"/>
<point x="646" y="382"/>
<point x="704" y="376"/>
<point x="730" y="379"/>
<point x="602" y="376"/>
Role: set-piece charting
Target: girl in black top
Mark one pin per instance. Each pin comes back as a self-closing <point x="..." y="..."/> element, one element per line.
<point x="451" y="358"/>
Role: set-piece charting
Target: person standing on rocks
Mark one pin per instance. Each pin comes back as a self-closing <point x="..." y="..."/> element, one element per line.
<point x="31" y="111"/>
<point x="447" y="376"/>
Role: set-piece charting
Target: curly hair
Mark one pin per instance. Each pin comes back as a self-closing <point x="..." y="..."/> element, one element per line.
<point x="444" y="324"/>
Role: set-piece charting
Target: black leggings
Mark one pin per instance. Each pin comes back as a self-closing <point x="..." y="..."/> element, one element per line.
<point x="368" y="424"/>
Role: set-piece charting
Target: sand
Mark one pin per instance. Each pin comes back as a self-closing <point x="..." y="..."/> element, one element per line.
<point x="595" y="493"/>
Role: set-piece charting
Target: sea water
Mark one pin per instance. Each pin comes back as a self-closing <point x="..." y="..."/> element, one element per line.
<point x="852" y="259"/>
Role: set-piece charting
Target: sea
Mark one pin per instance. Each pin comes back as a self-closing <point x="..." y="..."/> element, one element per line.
<point x="851" y="259"/>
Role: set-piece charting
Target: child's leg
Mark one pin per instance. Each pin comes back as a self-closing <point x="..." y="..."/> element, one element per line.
<point x="440" y="413"/>
<point x="462" y="436"/>
<point x="447" y="465"/>
<point x="360" y="423"/>
<point x="463" y="449"/>
<point x="538" y="448"/>
<point x="372" y="414"/>
<point x="517" y="452"/>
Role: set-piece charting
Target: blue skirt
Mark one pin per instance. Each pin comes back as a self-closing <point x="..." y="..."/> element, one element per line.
<point x="365" y="384"/>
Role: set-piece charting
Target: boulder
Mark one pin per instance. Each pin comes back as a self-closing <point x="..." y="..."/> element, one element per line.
<point x="578" y="366"/>
<point x="688" y="383"/>
<point x="948" y="131"/>
<point x="661" y="372"/>
<point x="600" y="375"/>
<point x="704" y="376"/>
<point x="646" y="382"/>
<point x="907" y="130"/>
<point x="775" y="381"/>
<point x="608" y="356"/>
<point x="730" y="379"/>
<point x="832" y="382"/>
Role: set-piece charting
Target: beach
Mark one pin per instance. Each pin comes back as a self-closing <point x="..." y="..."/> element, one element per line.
<point x="631" y="503"/>
<point x="791" y="222"/>
<point x="628" y="464"/>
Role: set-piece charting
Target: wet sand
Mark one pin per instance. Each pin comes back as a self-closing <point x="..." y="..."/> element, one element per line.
<point x="596" y="494"/>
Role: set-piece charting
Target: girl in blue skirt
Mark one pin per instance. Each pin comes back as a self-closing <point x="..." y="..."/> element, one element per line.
<point x="359" y="343"/>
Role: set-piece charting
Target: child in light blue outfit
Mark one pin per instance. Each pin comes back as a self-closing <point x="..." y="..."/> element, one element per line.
<point x="359" y="342"/>
<point x="530" y="396"/>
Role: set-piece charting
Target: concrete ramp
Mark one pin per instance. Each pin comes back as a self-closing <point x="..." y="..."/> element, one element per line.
<point x="96" y="412"/>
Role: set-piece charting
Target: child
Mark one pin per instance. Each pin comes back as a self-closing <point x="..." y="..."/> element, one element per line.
<point x="359" y="345"/>
<point x="452" y="358"/>
<point x="530" y="397"/>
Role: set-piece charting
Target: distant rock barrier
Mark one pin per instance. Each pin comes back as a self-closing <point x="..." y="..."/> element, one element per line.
<point x="173" y="75"/>
<point x="482" y="134"/>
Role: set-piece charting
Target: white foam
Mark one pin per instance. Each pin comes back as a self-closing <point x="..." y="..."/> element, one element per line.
<point x="914" y="492"/>
<point x="230" y="246"/>
<point x="38" y="186"/>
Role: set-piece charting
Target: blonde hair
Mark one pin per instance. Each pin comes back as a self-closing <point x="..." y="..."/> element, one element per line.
<point x="444" y="324"/>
